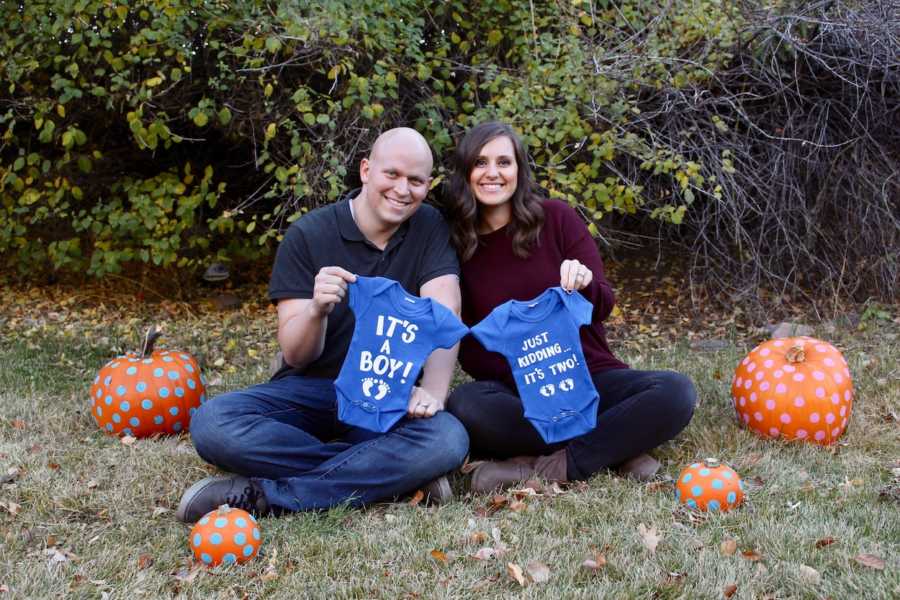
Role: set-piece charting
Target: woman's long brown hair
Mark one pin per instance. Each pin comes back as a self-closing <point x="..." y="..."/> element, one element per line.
<point x="462" y="208"/>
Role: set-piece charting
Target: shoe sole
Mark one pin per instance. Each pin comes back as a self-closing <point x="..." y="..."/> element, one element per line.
<point x="190" y="494"/>
<point x="438" y="491"/>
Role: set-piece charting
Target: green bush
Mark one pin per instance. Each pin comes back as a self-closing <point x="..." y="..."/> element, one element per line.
<point x="169" y="132"/>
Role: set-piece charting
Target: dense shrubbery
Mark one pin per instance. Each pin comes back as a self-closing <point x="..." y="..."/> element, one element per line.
<point x="170" y="132"/>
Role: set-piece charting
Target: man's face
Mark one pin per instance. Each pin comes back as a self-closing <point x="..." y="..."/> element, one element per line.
<point x="396" y="180"/>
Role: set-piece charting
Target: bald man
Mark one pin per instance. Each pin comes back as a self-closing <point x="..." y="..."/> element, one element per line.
<point x="282" y="439"/>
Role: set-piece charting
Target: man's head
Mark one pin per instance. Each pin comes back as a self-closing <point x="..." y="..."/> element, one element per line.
<point x="395" y="177"/>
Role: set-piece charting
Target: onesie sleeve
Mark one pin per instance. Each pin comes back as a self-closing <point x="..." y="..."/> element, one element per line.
<point x="360" y="295"/>
<point x="490" y="330"/>
<point x="448" y="328"/>
<point x="580" y="309"/>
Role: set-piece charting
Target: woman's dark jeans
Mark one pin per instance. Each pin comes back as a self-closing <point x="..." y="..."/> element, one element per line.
<point x="638" y="411"/>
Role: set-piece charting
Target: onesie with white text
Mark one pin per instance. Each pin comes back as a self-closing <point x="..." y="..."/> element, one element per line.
<point x="540" y="341"/>
<point x="395" y="333"/>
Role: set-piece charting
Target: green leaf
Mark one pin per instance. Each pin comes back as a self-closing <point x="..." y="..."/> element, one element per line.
<point x="225" y="116"/>
<point x="273" y="44"/>
<point x="495" y="37"/>
<point x="200" y="119"/>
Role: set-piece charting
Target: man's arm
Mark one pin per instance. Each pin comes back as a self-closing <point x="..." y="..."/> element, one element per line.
<point x="302" y="322"/>
<point x="430" y="396"/>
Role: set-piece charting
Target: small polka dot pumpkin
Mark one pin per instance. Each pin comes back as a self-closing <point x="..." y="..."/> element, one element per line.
<point x="709" y="486"/>
<point x="794" y="388"/>
<point x="147" y="393"/>
<point x="225" y="536"/>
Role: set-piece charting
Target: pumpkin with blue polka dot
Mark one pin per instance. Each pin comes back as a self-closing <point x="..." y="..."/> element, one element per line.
<point x="225" y="536"/>
<point x="709" y="486"/>
<point x="147" y="393"/>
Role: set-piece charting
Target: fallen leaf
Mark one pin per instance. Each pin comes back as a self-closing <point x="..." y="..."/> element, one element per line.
<point x="515" y="571"/>
<point x="826" y="541"/>
<point x="517" y="506"/>
<point x="649" y="537"/>
<point x="728" y="547"/>
<point x="18" y="424"/>
<point x="498" y="501"/>
<point x="186" y="575"/>
<point x="417" y="497"/>
<point x="11" y="507"/>
<point x="485" y="553"/>
<point x="538" y="571"/>
<point x="128" y="440"/>
<point x="160" y="510"/>
<point x="478" y="537"/>
<point x="870" y="560"/>
<point x="808" y="575"/>
<point x="52" y="465"/>
<point x="11" y="475"/>
<point x="439" y="556"/>
<point x="729" y="590"/>
<point x="144" y="561"/>
<point x="597" y="560"/>
<point x="751" y="555"/>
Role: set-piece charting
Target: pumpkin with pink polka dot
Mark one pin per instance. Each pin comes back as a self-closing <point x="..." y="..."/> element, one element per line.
<point x="710" y="486"/>
<point x="147" y="393"/>
<point x="794" y="388"/>
<point x="225" y="536"/>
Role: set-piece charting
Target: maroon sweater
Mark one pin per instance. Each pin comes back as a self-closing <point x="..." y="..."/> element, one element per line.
<point x="494" y="275"/>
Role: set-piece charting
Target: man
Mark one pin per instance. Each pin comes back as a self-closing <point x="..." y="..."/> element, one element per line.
<point x="282" y="438"/>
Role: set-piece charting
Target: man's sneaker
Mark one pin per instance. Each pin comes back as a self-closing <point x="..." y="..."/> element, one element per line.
<point x="438" y="491"/>
<point x="212" y="492"/>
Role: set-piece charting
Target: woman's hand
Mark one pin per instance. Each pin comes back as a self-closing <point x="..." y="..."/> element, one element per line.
<point x="574" y="276"/>
<point x="422" y="404"/>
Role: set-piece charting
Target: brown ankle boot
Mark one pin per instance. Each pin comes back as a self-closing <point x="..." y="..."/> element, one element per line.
<point x="498" y="475"/>
<point x="641" y="467"/>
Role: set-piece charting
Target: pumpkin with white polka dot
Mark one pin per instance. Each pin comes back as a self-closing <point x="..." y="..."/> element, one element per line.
<point x="710" y="486"/>
<point x="795" y="389"/>
<point x="147" y="393"/>
<point x="225" y="536"/>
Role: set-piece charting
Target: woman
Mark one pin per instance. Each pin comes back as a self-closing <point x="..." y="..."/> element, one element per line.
<point x="514" y="244"/>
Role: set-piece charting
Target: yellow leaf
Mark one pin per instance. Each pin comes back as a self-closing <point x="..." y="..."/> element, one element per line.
<point x="61" y="110"/>
<point x="515" y="572"/>
<point x="268" y="90"/>
<point x="270" y="131"/>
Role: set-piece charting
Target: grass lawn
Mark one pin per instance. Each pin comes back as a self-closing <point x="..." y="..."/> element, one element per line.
<point x="85" y="516"/>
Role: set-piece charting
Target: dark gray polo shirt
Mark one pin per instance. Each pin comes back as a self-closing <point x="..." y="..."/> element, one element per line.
<point x="419" y="251"/>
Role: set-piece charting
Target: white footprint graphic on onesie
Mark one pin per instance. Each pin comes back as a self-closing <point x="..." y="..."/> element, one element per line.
<point x="567" y="385"/>
<point x="547" y="390"/>
<point x="382" y="388"/>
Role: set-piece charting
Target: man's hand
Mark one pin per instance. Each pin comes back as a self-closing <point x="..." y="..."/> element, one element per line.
<point x="329" y="289"/>
<point x="422" y="404"/>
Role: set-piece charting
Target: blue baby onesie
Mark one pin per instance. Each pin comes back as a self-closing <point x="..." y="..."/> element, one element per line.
<point x="539" y="339"/>
<point x="395" y="333"/>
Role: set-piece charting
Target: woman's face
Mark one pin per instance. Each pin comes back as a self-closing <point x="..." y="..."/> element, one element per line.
<point x="493" y="179"/>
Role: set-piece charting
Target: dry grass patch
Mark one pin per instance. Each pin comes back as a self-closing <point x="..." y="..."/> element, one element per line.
<point x="85" y="515"/>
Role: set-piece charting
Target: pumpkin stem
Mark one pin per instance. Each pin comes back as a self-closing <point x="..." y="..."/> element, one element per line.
<point x="153" y="334"/>
<point x="712" y="463"/>
<point x="796" y="354"/>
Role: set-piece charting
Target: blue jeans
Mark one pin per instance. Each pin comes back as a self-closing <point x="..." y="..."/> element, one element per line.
<point x="638" y="411"/>
<point x="285" y="435"/>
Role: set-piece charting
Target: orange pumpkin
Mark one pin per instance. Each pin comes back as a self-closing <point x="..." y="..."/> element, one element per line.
<point x="794" y="388"/>
<point x="710" y="486"/>
<point x="147" y="393"/>
<point x="225" y="536"/>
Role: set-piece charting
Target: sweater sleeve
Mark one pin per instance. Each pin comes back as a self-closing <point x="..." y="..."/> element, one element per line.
<point x="578" y="244"/>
